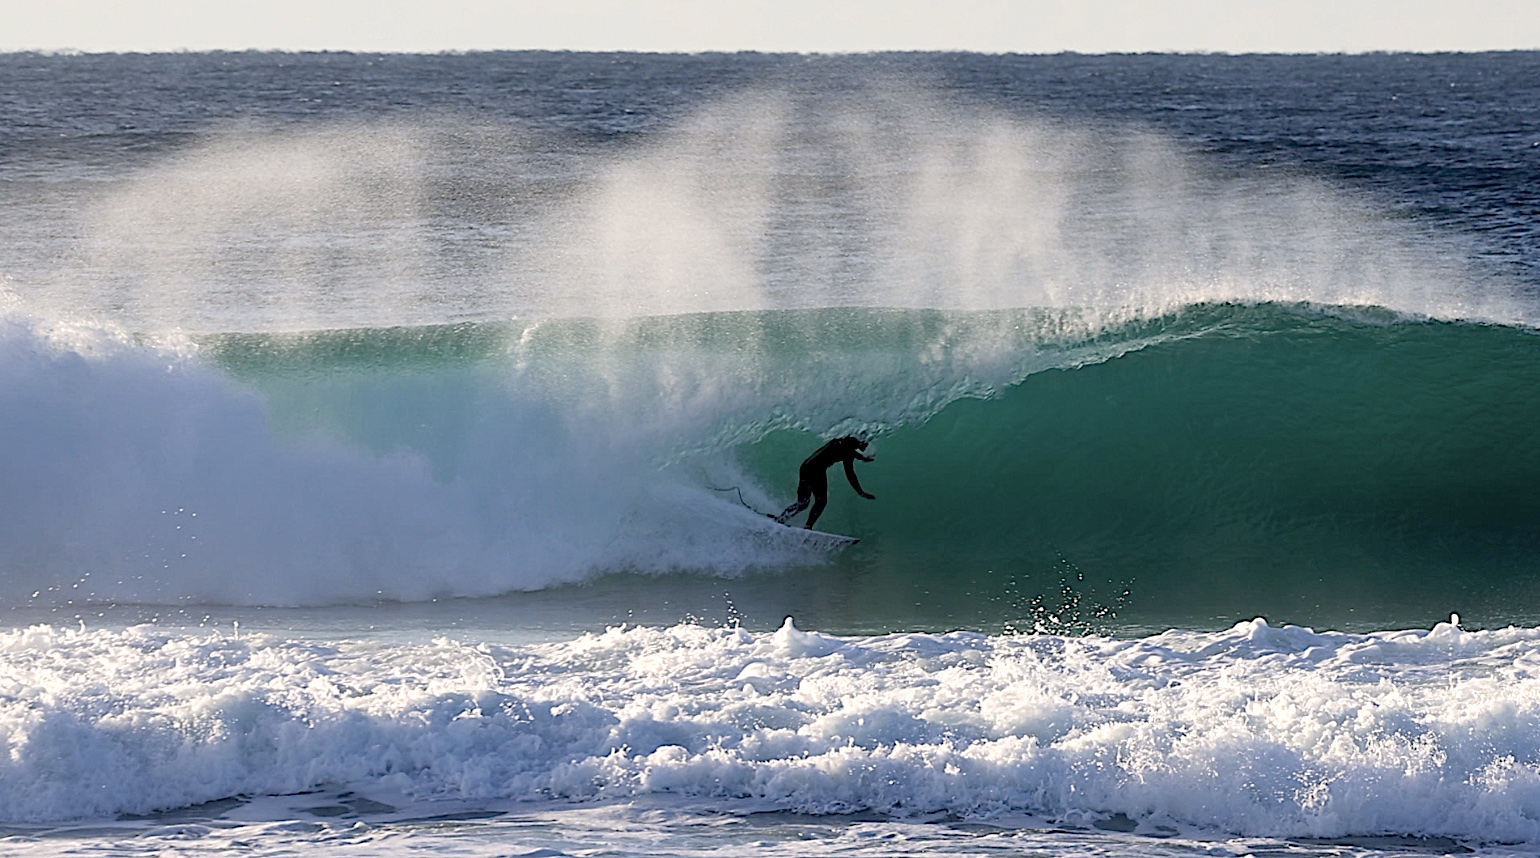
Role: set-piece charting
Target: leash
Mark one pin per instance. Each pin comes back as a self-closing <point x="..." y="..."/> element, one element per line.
<point x="740" y="497"/>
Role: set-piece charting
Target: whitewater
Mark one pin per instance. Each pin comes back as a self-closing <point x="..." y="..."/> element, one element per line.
<point x="974" y="741"/>
<point x="387" y="442"/>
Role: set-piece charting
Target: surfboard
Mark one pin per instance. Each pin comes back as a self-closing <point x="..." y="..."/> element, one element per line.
<point x="764" y="528"/>
<point x="818" y="538"/>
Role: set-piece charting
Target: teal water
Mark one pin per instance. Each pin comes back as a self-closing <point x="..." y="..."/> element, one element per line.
<point x="1340" y="467"/>
<point x="1312" y="469"/>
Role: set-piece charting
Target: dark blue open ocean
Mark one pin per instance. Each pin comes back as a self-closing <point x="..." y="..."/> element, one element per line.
<point x="385" y="442"/>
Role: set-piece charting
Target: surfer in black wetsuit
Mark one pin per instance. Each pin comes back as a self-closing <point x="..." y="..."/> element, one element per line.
<point x="813" y="481"/>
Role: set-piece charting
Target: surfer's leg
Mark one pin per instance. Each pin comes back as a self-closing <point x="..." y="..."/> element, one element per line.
<point x="792" y="510"/>
<point x="820" y="490"/>
<point x="819" y="502"/>
<point x="804" y="494"/>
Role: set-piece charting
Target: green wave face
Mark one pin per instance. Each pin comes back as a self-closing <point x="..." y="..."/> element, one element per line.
<point x="1304" y="468"/>
<point x="1331" y="466"/>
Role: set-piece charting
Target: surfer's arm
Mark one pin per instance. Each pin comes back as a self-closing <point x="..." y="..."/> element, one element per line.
<point x="850" y="474"/>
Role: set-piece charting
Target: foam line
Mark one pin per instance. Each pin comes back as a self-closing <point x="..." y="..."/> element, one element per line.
<point x="1258" y="730"/>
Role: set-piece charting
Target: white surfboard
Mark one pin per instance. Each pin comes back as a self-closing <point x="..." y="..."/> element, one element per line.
<point x="817" y="538"/>
<point x="764" y="527"/>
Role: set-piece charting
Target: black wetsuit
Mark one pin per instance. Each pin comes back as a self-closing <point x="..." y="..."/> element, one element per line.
<point x="813" y="479"/>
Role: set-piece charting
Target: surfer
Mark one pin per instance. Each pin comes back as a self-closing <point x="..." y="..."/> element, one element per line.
<point x="813" y="481"/>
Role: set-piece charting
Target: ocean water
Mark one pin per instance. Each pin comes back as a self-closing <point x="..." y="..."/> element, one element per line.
<point x="387" y="440"/>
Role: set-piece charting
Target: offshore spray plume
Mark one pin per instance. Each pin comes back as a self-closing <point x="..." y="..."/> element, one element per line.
<point x="795" y="221"/>
<point x="1030" y="238"/>
<point x="878" y="198"/>
<point x="341" y="225"/>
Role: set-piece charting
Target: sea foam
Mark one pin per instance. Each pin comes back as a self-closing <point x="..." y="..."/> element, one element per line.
<point x="1259" y="730"/>
<point x="139" y="473"/>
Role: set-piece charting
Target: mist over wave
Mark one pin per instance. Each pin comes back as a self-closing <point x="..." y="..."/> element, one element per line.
<point x="884" y="197"/>
<point x="301" y="414"/>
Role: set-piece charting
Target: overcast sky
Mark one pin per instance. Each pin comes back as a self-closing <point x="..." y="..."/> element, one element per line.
<point x="1029" y="26"/>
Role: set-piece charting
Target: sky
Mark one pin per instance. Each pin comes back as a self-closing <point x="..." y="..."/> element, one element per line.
<point x="821" y="26"/>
